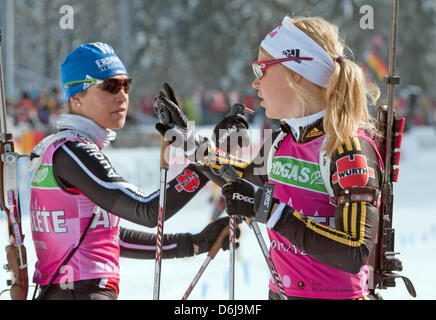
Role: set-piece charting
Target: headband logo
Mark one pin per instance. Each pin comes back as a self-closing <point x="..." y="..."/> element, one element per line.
<point x="293" y="53"/>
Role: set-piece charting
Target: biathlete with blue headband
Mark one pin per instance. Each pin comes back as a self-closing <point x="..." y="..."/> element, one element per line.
<point x="78" y="198"/>
<point x="324" y="165"/>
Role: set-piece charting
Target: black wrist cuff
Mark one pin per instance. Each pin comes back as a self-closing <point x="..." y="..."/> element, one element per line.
<point x="287" y="213"/>
<point x="263" y="202"/>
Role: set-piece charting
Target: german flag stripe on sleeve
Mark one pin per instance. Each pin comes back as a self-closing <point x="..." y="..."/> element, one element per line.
<point x="357" y="143"/>
<point x="348" y="145"/>
<point x="345" y="218"/>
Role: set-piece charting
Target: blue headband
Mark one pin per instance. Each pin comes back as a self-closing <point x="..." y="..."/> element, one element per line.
<point x="89" y="61"/>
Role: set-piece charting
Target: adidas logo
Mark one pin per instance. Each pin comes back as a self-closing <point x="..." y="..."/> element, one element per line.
<point x="292" y="53"/>
<point x="314" y="133"/>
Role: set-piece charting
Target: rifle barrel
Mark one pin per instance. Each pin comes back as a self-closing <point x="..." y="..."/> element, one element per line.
<point x="2" y="97"/>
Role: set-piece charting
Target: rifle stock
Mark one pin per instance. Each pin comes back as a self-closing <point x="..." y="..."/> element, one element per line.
<point x="16" y="252"/>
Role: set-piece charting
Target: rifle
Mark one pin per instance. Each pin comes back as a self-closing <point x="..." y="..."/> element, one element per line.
<point x="383" y="261"/>
<point x="10" y="204"/>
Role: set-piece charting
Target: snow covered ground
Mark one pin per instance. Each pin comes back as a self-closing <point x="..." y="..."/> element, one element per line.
<point x="414" y="221"/>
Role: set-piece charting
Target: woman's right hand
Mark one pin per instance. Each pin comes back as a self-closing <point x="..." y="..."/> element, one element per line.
<point x="173" y="126"/>
<point x="167" y="109"/>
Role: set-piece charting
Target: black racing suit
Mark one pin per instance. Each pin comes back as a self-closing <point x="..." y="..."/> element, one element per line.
<point x="78" y="167"/>
<point x="334" y="247"/>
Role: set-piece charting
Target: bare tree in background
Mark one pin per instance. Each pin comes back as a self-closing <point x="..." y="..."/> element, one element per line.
<point x="212" y="43"/>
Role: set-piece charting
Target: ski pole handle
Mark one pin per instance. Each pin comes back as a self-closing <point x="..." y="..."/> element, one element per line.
<point x="229" y="174"/>
<point x="240" y="108"/>
<point x="164" y="153"/>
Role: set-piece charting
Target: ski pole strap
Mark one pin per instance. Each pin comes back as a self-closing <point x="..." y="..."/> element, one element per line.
<point x="70" y="255"/>
<point x="266" y="203"/>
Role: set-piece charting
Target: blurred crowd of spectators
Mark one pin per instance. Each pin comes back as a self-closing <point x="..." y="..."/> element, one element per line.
<point x="38" y="110"/>
<point x="418" y="109"/>
<point x="207" y="108"/>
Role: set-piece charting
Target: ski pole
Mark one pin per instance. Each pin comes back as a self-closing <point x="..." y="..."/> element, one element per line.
<point x="230" y="174"/>
<point x="236" y="108"/>
<point x="276" y="277"/>
<point x="211" y="254"/>
<point x="161" y="218"/>
<point x="232" y="258"/>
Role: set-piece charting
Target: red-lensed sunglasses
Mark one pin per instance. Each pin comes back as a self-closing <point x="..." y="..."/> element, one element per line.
<point x="109" y="85"/>
<point x="114" y="86"/>
<point x="260" y="66"/>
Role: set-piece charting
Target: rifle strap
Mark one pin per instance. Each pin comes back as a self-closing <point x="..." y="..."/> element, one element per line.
<point x="348" y="196"/>
<point x="41" y="147"/>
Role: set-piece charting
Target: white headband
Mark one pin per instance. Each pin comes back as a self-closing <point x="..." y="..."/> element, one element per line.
<point x="289" y="41"/>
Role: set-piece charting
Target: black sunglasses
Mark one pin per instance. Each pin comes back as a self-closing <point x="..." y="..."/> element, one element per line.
<point x="110" y="85"/>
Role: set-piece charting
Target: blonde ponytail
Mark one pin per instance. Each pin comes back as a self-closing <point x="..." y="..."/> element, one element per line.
<point x="347" y="96"/>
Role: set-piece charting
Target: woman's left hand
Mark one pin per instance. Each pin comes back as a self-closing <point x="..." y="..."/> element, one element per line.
<point x="207" y="237"/>
<point x="240" y="198"/>
<point x="232" y="130"/>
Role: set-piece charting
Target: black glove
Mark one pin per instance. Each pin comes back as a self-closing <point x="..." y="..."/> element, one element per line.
<point x="239" y="197"/>
<point x="167" y="109"/>
<point x="173" y="126"/>
<point x="232" y="131"/>
<point x="248" y="200"/>
<point x="207" y="237"/>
